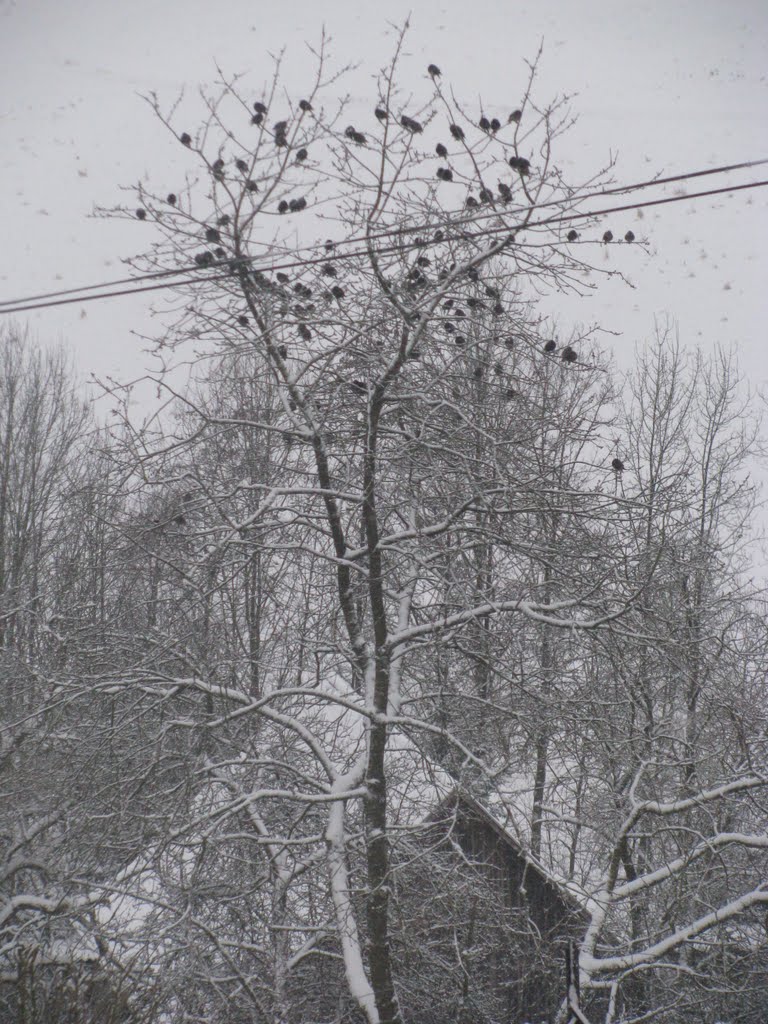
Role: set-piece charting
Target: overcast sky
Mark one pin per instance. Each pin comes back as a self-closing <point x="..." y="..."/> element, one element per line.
<point x="663" y="86"/>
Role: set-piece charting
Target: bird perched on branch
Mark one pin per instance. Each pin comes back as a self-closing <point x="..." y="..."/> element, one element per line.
<point x="171" y="199"/>
<point x="445" y="173"/>
<point x="572" y="235"/>
<point x="484" y="123"/>
<point x="456" y="132"/>
<point x="495" y="124"/>
<point x="505" y="192"/>
<point x="441" y="150"/>
<point x="515" y="116"/>
<point x="141" y="214"/>
<point x="185" y="139"/>
<point x="550" y="346"/>
<point x="410" y="125"/>
<point x="260" y="107"/>
<point x="241" y="165"/>
<point x="305" y="105"/>
<point x="381" y="113"/>
<point x="357" y="137"/>
<point x="568" y="355"/>
<point x="617" y="465"/>
<point x="608" y="237"/>
<point x="519" y="163"/>
<point x="301" y="155"/>
<point x="630" y="236"/>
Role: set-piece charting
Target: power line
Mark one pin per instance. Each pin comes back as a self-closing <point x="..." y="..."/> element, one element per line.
<point x="392" y="232"/>
<point x="24" y="305"/>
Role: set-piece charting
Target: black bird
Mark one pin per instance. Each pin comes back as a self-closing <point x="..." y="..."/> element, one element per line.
<point x="297" y="205"/>
<point x="281" y="140"/>
<point x="204" y="259"/>
<point x="471" y="202"/>
<point x="185" y="139"/>
<point x="305" y="105"/>
<point x="141" y="214"/>
<point x="448" y="303"/>
<point x="495" y="124"/>
<point x="304" y="332"/>
<point x="219" y="253"/>
<point x="241" y="165"/>
<point x="257" y="119"/>
<point x="478" y="372"/>
<point x="459" y="340"/>
<point x="460" y="313"/>
<point x="474" y="303"/>
<point x="498" y="369"/>
<point x="224" y="220"/>
<point x="441" y="150"/>
<point x="491" y="292"/>
<point x="259" y="107"/>
<point x="243" y="321"/>
<point x="519" y="163"/>
<point x="515" y="116"/>
<point x="301" y="155"/>
<point x="251" y="186"/>
<point x="510" y="393"/>
<point x="484" y="123"/>
<point x="337" y="292"/>
<point x="445" y="173"/>
<point x="170" y="199"/>
<point x="505" y="192"/>
<point x="410" y="125"/>
<point x="498" y="309"/>
<point x="423" y="261"/>
<point x="448" y="327"/>
<point x="212" y="235"/>
<point x="282" y="206"/>
<point x="282" y="278"/>
<point x="280" y="127"/>
<point x="283" y="352"/>
<point x="617" y="465"/>
<point x="473" y="274"/>
<point x="486" y="196"/>
<point x="329" y="245"/>
<point x="572" y="235"/>
<point x="630" y="236"/>
<point x="218" y="166"/>
<point x="434" y="70"/>
<point x="357" y="137"/>
<point x="568" y="355"/>
<point x="381" y="113"/>
<point x="329" y="270"/>
<point x="608" y="237"/>
<point x="550" y="346"/>
<point x="456" y="132"/>
<point x="439" y="236"/>
<point x="509" y="343"/>
<point x="358" y="386"/>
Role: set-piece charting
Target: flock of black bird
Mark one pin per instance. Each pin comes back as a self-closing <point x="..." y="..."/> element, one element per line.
<point x="415" y="278"/>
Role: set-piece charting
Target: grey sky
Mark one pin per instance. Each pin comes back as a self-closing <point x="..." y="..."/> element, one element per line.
<point x="666" y="87"/>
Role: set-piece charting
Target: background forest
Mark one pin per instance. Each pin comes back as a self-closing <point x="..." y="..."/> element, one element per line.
<point x="387" y="536"/>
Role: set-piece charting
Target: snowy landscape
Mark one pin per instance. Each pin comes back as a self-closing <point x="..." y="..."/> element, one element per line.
<point x="381" y="643"/>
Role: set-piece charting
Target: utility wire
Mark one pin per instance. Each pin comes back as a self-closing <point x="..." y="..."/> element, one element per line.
<point x="24" y="305"/>
<point x="392" y="232"/>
